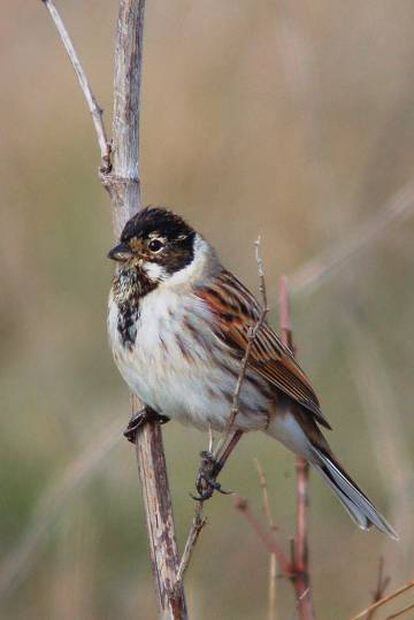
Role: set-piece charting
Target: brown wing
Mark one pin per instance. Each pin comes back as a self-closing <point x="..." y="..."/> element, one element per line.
<point x="237" y="311"/>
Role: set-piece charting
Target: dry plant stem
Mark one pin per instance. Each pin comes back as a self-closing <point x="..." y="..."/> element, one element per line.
<point x="251" y="338"/>
<point x="124" y="187"/>
<point x="199" y="522"/>
<point x="400" y="613"/>
<point x="160" y="524"/>
<point x="122" y="182"/>
<point x="243" y="368"/>
<point x="230" y="437"/>
<point x="268" y="539"/>
<point x="382" y="583"/>
<point x="383" y="601"/>
<point x="296" y="568"/>
<point x="300" y="547"/>
<point x="273" y="528"/>
<point x="94" y="108"/>
<point x="272" y="608"/>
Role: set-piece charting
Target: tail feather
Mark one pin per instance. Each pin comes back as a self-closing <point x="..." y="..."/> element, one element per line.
<point x="362" y="511"/>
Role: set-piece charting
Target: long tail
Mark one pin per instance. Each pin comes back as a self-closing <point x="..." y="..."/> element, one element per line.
<point x="362" y="511"/>
<point x="301" y="435"/>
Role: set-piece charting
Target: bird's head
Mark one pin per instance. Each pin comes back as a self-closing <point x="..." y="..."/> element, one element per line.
<point x="156" y="241"/>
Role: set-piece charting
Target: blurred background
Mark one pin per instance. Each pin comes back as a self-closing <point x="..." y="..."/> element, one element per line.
<point x="294" y="120"/>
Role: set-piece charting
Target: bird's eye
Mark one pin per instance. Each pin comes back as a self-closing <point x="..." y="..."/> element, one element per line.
<point x="155" y="245"/>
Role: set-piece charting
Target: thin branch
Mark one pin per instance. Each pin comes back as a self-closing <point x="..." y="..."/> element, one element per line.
<point x="398" y="614"/>
<point x="383" y="600"/>
<point x="95" y="110"/>
<point x="285" y="321"/>
<point x="265" y="491"/>
<point x="267" y="537"/>
<point x="213" y="462"/>
<point x="297" y="568"/>
<point x="199" y="521"/>
<point x="251" y="337"/>
<point x="273" y="528"/>
<point x="300" y="546"/>
<point x="382" y="584"/>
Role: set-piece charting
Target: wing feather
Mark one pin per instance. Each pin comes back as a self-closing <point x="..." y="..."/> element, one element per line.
<point x="237" y="311"/>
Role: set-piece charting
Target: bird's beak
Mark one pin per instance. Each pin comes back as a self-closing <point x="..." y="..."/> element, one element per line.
<point x="121" y="253"/>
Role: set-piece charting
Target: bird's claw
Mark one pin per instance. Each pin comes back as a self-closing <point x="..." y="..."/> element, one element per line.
<point x="139" y="419"/>
<point x="210" y="487"/>
<point x="206" y="482"/>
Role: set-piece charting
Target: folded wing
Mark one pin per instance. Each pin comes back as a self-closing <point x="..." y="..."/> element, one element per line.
<point x="237" y="311"/>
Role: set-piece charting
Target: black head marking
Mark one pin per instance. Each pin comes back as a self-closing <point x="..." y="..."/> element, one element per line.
<point x="155" y="223"/>
<point x="155" y="220"/>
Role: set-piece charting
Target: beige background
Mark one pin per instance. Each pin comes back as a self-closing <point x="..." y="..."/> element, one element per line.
<point x="290" y="119"/>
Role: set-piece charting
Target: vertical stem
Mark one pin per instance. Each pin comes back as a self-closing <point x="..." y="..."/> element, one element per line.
<point x="300" y="572"/>
<point x="159" y="516"/>
<point x="125" y="178"/>
<point x="272" y="615"/>
<point x="302" y="581"/>
<point x="123" y="184"/>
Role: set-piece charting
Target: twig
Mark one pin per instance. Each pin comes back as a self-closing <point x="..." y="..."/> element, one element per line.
<point x="215" y="460"/>
<point x="401" y="612"/>
<point x="122" y="182"/>
<point x="383" y="600"/>
<point x="382" y="584"/>
<point x="95" y="110"/>
<point x="296" y="569"/>
<point x="267" y="537"/>
<point x="250" y="338"/>
<point x="273" y="528"/>
<point x="300" y="546"/>
<point x="199" y="521"/>
<point x="265" y="491"/>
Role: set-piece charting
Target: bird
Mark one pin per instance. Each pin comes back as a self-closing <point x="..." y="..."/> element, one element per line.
<point x="179" y="323"/>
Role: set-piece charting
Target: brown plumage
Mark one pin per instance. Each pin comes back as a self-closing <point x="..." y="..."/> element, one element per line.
<point x="237" y="312"/>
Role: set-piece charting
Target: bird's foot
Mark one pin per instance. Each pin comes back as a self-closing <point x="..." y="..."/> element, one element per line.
<point x="139" y="419"/>
<point x="206" y="482"/>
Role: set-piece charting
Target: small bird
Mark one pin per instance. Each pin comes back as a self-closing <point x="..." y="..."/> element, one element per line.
<point x="179" y="324"/>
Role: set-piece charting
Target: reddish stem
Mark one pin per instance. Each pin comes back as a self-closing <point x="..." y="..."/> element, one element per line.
<point x="268" y="539"/>
<point x="300" y="565"/>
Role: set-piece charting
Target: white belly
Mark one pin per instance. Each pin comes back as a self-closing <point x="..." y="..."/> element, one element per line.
<point x="180" y="374"/>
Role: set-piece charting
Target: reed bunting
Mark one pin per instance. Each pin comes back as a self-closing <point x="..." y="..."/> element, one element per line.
<point x="179" y="324"/>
